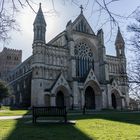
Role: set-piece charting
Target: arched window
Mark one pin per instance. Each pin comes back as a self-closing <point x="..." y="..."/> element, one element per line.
<point x="84" y="59"/>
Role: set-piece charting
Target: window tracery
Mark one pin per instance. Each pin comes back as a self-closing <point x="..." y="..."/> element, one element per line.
<point x="84" y="59"/>
<point x="83" y="50"/>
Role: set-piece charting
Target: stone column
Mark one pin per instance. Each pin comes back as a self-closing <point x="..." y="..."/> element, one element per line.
<point x="53" y="100"/>
<point x="109" y="96"/>
<point x="83" y="98"/>
<point x="75" y="93"/>
<point x="98" y="100"/>
<point x="123" y="103"/>
<point x="41" y="101"/>
<point x="104" y="98"/>
<point x="72" y="61"/>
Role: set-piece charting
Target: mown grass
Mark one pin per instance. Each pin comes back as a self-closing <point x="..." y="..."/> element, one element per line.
<point x="13" y="113"/>
<point x="106" y="126"/>
<point x="7" y="111"/>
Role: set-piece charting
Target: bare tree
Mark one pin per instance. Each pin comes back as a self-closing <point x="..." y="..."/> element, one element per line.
<point x="9" y="8"/>
<point x="134" y="68"/>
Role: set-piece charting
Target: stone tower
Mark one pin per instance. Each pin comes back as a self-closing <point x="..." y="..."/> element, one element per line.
<point x="120" y="52"/>
<point x="9" y="59"/>
<point x="120" y="44"/>
<point x="38" y="57"/>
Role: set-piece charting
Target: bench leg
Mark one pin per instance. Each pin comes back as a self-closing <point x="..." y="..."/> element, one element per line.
<point x="65" y="119"/>
<point x="84" y="110"/>
<point x="34" y="120"/>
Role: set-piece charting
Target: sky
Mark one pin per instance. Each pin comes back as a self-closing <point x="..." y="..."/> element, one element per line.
<point x="57" y="15"/>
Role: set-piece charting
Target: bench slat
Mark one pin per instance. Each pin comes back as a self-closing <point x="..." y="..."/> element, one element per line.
<point x="52" y="111"/>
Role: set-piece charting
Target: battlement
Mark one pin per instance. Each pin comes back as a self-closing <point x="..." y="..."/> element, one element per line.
<point x="9" y="59"/>
<point x="11" y="50"/>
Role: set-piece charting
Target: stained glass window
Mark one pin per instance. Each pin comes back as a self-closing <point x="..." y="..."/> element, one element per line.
<point x="84" y="59"/>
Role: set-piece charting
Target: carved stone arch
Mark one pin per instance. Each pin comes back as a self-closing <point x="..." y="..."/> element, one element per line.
<point x="116" y="99"/>
<point x="63" y="96"/>
<point x="92" y="95"/>
<point x="94" y="85"/>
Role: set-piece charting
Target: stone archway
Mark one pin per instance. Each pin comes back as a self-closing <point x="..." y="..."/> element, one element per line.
<point x="92" y="95"/>
<point x="114" y="102"/>
<point x="116" y="99"/>
<point x="60" y="99"/>
<point x="89" y="98"/>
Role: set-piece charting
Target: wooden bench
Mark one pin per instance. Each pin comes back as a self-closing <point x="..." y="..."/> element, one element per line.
<point x="52" y="111"/>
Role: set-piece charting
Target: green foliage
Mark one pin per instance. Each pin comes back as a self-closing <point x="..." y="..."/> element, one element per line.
<point x="4" y="92"/>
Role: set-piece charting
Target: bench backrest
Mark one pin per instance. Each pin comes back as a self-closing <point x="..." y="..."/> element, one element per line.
<point x="49" y="111"/>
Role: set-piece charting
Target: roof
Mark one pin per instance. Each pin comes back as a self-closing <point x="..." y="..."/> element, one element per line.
<point x="40" y="17"/>
<point x="119" y="38"/>
<point x="82" y="20"/>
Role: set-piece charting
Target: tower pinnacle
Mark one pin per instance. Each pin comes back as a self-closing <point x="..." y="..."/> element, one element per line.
<point x="81" y="7"/>
<point x="40" y="5"/>
<point x="119" y="38"/>
<point x="39" y="26"/>
<point x="120" y="44"/>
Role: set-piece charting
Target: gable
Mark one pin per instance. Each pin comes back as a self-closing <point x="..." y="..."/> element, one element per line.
<point x="61" y="81"/>
<point x="114" y="84"/>
<point x="81" y="25"/>
<point x="91" y="76"/>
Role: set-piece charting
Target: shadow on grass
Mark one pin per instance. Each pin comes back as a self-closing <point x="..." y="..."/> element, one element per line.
<point x="45" y="131"/>
<point x="124" y="117"/>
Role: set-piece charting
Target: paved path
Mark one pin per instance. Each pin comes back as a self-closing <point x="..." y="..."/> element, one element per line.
<point x="14" y="117"/>
<point x="74" y="113"/>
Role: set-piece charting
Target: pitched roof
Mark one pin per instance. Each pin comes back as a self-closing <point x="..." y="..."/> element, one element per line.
<point x="81" y="20"/>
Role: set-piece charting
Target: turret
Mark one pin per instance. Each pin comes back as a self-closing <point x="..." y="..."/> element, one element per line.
<point x="38" y="60"/>
<point x="100" y="35"/>
<point x="39" y="26"/>
<point x="102" y="58"/>
<point x="120" y="44"/>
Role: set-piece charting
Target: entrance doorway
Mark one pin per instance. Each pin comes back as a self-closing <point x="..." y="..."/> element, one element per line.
<point x="89" y="98"/>
<point x="114" y="102"/>
<point x="60" y="99"/>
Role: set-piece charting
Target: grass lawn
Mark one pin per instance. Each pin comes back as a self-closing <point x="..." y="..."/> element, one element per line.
<point x="6" y="111"/>
<point x="107" y="126"/>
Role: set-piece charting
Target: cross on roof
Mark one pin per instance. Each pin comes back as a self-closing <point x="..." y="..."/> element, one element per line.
<point x="81" y="7"/>
<point x="39" y="4"/>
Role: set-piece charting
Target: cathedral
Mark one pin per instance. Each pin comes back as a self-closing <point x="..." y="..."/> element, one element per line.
<point x="71" y="70"/>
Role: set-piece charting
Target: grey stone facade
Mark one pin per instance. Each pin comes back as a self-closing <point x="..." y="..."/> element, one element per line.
<point x="72" y="69"/>
<point x="9" y="59"/>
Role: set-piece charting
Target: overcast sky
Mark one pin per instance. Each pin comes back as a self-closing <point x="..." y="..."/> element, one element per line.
<point x="56" y="22"/>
